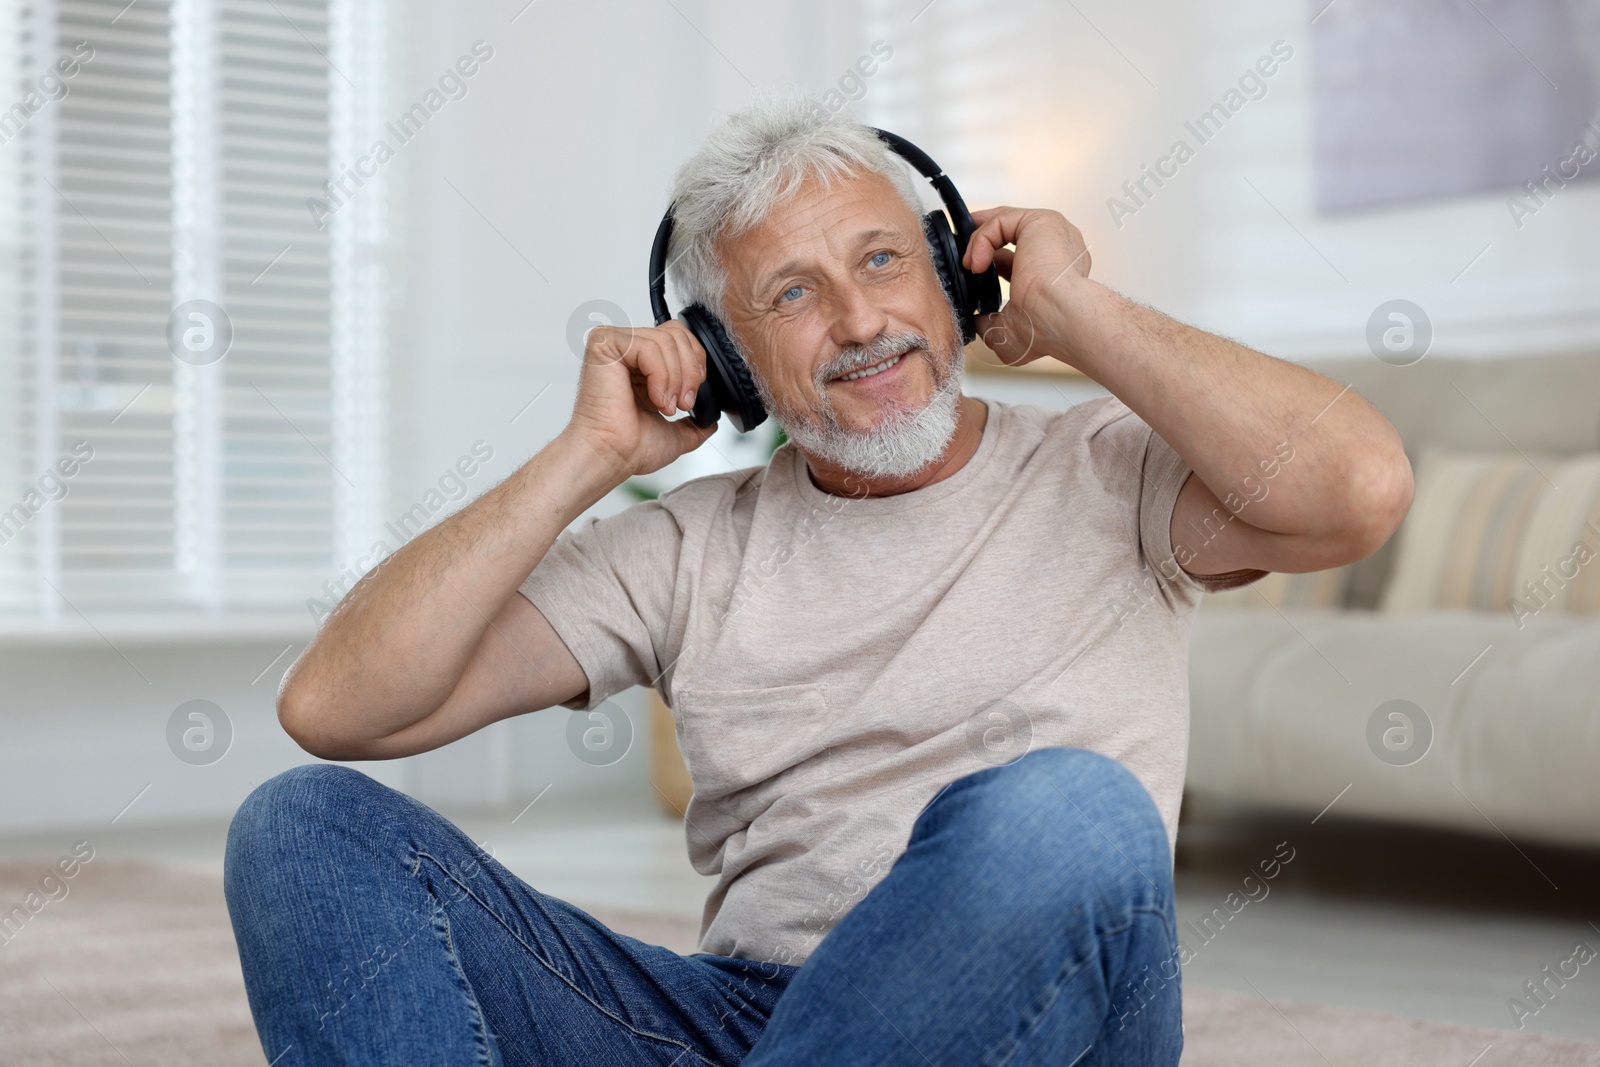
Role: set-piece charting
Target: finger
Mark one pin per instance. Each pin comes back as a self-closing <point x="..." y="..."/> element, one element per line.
<point x="1000" y="227"/>
<point x="672" y="345"/>
<point x="687" y="360"/>
<point x="603" y="345"/>
<point x="998" y="256"/>
<point x="993" y="334"/>
<point x="695" y="372"/>
<point x="996" y="337"/>
<point x="692" y="436"/>
<point x="642" y="397"/>
<point x="650" y="358"/>
<point x="1009" y="335"/>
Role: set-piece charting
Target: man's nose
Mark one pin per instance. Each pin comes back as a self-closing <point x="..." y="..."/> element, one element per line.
<point x="857" y="318"/>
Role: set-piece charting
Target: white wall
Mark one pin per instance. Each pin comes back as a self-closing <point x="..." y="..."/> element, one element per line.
<point x="85" y="728"/>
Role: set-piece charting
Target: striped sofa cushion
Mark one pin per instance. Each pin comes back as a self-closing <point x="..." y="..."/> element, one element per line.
<point x="1558" y="565"/>
<point x="1499" y="532"/>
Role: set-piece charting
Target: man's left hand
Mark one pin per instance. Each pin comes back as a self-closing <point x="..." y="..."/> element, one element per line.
<point x="1221" y="407"/>
<point x="1047" y="254"/>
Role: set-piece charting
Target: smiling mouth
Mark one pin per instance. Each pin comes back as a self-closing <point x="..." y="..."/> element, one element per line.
<point x="872" y="371"/>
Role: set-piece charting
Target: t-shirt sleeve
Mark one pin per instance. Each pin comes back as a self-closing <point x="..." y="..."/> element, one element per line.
<point x="1161" y="478"/>
<point x="606" y="588"/>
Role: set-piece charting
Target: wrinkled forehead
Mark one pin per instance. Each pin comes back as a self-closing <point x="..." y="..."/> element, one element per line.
<point x="820" y="223"/>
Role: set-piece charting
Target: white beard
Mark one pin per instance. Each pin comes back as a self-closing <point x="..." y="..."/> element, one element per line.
<point x="905" y="439"/>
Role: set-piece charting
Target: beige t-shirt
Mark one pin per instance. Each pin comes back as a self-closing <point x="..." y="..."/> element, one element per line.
<point x="832" y="662"/>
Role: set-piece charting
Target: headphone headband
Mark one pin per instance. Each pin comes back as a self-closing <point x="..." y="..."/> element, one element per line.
<point x="960" y="217"/>
<point x="658" y="269"/>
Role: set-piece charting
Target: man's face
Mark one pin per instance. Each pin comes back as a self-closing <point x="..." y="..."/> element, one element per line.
<point x="836" y="282"/>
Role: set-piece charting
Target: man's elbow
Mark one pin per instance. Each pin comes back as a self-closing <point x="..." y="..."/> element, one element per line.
<point x="314" y="723"/>
<point x="304" y="718"/>
<point x="1381" y="492"/>
<point x="295" y="715"/>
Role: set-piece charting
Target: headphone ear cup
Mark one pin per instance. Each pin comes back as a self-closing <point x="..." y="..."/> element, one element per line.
<point x="952" y="276"/>
<point x="728" y="380"/>
<point x="984" y="289"/>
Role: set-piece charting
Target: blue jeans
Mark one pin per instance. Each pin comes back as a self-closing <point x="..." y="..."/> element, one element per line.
<point x="1028" y="922"/>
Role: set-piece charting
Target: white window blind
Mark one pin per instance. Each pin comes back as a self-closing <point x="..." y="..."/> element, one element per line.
<point x="177" y="167"/>
<point x="951" y="85"/>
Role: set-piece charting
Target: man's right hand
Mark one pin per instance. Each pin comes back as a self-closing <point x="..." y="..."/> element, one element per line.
<point x="631" y="381"/>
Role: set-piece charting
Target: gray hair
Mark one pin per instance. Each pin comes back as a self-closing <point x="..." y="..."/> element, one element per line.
<point x="752" y="162"/>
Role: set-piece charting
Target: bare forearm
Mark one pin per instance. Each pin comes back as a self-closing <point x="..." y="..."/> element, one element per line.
<point x="394" y="649"/>
<point x="1340" y="479"/>
<point x="1235" y="414"/>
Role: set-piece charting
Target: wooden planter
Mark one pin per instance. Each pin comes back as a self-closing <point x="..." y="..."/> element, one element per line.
<point x="667" y="772"/>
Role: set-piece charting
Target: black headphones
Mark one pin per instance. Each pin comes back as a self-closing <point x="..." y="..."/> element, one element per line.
<point x="728" y="387"/>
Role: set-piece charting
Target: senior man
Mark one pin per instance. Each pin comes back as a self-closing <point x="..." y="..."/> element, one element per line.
<point x="928" y="665"/>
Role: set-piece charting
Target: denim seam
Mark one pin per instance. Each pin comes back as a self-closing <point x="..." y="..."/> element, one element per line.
<point x="547" y="965"/>
<point x="1066" y="975"/>
<point x="441" y="924"/>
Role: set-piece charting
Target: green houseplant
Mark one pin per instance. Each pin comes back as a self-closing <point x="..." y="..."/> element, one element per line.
<point x="648" y="488"/>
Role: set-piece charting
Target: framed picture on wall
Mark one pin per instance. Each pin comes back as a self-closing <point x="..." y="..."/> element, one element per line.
<point x="1417" y="99"/>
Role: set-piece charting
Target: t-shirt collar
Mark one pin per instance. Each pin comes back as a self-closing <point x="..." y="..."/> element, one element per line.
<point x="799" y="477"/>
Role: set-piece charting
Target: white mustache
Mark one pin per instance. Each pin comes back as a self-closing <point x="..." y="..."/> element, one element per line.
<point x="858" y="357"/>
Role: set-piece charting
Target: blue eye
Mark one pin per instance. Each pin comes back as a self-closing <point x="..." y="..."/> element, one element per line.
<point x="795" y="290"/>
<point x="880" y="259"/>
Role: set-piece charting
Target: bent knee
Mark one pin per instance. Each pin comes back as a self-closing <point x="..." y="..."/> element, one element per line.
<point x="1059" y="775"/>
<point x="1079" y="774"/>
<point x="310" y="788"/>
<point x="286" y="811"/>
<point x="1077" y="800"/>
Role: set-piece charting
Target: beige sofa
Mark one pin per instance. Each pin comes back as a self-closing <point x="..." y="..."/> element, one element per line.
<point x="1283" y="697"/>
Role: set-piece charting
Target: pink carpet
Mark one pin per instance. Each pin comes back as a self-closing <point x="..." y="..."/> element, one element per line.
<point x="136" y="965"/>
